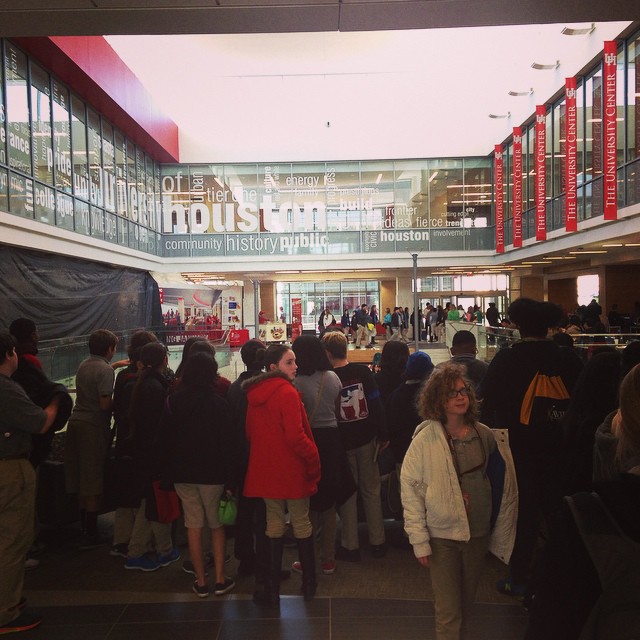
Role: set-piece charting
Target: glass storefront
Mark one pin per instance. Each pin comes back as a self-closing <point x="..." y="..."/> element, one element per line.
<point x="314" y="297"/>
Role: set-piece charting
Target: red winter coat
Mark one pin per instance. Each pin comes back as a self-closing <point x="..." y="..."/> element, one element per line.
<point x="283" y="457"/>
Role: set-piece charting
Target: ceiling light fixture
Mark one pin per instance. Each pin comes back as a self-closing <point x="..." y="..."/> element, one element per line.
<point x="543" y="67"/>
<point x="584" y="31"/>
<point x="498" y="116"/>
<point x="586" y="252"/>
<point x="528" y="92"/>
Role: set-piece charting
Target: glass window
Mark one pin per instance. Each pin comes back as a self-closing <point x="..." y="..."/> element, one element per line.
<point x="341" y="212"/>
<point x="108" y="168"/>
<point x="3" y="130"/>
<point x="633" y="99"/>
<point x="121" y="175"/>
<point x="61" y="137"/>
<point x="64" y="211"/>
<point x="581" y="147"/>
<point x="20" y="195"/>
<point x="446" y="194"/>
<point x="19" y="134"/>
<point x="95" y="157"/>
<point x="141" y="187"/>
<point x="79" y="143"/>
<point x="132" y="192"/>
<point x="529" y="167"/>
<point x="377" y="194"/>
<point x="41" y="123"/>
<point x="410" y="205"/>
<point x="45" y="203"/>
<point x="151" y="221"/>
<point x="82" y="219"/>
<point x="559" y="147"/>
<point x="4" y="186"/>
<point x="236" y="206"/>
<point x="593" y="135"/>
<point x="477" y="194"/>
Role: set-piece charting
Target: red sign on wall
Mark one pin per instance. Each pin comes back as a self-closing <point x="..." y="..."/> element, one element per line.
<point x="517" y="187"/>
<point x="610" y="112"/>
<point x="570" y="160"/>
<point x="499" y="197"/>
<point x="541" y="172"/>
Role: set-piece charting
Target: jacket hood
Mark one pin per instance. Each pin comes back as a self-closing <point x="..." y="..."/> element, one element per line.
<point x="261" y="388"/>
<point x="422" y="426"/>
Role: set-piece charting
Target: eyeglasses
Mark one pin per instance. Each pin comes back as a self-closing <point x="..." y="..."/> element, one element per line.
<point x="464" y="392"/>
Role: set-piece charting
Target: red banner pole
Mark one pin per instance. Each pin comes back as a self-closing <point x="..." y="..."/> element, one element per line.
<point x="541" y="172"/>
<point x="571" y="154"/>
<point x="610" y="112"/>
<point x="499" y="197"/>
<point x="517" y="187"/>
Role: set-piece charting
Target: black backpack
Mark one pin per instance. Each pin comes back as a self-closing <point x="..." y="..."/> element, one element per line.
<point x="616" y="614"/>
<point x="545" y="402"/>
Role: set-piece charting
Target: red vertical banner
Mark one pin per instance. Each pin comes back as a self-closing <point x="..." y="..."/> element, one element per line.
<point x="296" y="318"/>
<point x="540" y="162"/>
<point x="517" y="187"/>
<point x="610" y="112"/>
<point x="498" y="170"/>
<point x="571" y="157"/>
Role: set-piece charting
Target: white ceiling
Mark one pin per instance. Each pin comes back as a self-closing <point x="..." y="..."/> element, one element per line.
<point x="358" y="95"/>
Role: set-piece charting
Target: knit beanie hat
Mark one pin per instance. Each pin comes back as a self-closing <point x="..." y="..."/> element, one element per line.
<point x="419" y="365"/>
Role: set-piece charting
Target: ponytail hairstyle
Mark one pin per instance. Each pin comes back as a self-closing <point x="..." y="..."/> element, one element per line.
<point x="252" y="353"/>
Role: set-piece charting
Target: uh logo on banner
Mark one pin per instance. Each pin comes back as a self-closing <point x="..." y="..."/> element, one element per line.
<point x="517" y="187"/>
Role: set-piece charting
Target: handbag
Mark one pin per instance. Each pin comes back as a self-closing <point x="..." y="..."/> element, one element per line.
<point x="167" y="504"/>
<point x="228" y="510"/>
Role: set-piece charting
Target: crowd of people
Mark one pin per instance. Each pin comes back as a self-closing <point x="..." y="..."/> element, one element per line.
<point x="485" y="453"/>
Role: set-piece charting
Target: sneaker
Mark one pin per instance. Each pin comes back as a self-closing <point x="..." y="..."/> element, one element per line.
<point x="166" y="559"/>
<point x="23" y="622"/>
<point x="379" y="550"/>
<point x="328" y="567"/>
<point x="121" y="549"/>
<point x="187" y="565"/>
<point x="297" y="567"/>
<point x="142" y="563"/>
<point x="348" y="555"/>
<point x="31" y="563"/>
<point x="510" y="588"/>
<point x="200" y="591"/>
<point x="224" y="587"/>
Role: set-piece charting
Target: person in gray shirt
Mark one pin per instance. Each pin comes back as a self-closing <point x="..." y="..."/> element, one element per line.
<point x="88" y="433"/>
<point x="20" y="418"/>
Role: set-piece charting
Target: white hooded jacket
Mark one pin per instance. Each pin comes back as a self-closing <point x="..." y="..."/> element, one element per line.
<point x="432" y="498"/>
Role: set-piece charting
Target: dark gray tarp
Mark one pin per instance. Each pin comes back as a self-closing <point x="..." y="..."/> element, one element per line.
<point x="68" y="297"/>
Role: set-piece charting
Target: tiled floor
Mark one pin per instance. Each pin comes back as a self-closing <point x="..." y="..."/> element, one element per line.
<point x="89" y="596"/>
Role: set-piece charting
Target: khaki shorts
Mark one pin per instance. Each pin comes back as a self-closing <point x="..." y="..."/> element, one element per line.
<point x="200" y="502"/>
<point x="85" y="455"/>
